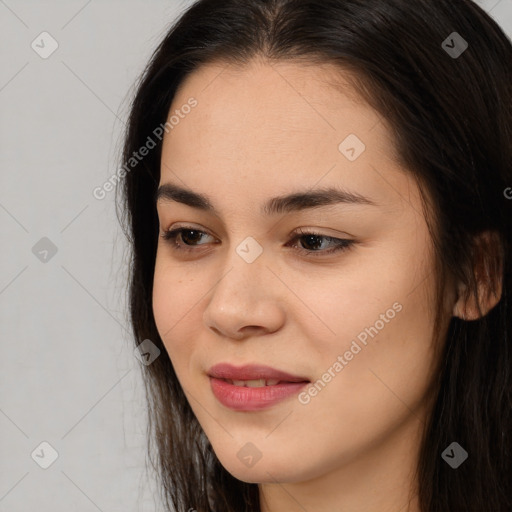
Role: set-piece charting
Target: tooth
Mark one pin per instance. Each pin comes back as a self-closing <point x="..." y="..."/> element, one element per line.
<point x="255" y="383"/>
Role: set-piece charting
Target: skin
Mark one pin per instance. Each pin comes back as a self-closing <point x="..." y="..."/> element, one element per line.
<point x="265" y="130"/>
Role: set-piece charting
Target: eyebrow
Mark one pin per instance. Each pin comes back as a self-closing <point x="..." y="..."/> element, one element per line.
<point x="295" y="201"/>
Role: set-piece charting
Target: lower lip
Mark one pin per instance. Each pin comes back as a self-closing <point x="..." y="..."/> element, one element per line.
<point x="241" y="398"/>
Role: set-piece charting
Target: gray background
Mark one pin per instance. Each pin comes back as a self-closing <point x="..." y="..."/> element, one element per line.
<point x="69" y="376"/>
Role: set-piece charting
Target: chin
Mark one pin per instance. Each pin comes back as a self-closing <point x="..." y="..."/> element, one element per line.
<point x="266" y="470"/>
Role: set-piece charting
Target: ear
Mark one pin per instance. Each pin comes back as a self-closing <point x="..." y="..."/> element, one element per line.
<point x="488" y="271"/>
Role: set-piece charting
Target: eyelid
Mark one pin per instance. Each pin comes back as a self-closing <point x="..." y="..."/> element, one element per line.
<point x="341" y="244"/>
<point x="302" y="230"/>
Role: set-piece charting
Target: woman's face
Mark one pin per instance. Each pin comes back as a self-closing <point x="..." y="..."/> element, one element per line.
<point x="243" y="286"/>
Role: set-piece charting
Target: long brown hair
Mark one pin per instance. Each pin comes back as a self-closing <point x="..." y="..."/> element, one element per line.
<point x="451" y="117"/>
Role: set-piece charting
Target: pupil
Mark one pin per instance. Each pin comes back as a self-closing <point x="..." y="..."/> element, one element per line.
<point x="312" y="239"/>
<point x="186" y="233"/>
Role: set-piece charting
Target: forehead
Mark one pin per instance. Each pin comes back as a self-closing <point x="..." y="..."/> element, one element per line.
<point x="265" y="124"/>
<point x="273" y="102"/>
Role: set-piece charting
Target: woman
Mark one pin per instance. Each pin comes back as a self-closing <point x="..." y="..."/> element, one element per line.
<point x="321" y="235"/>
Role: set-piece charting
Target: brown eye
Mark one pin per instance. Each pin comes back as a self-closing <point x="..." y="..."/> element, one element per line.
<point x="311" y="243"/>
<point x="181" y="237"/>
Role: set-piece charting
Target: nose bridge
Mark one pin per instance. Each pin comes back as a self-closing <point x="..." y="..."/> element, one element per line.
<point x="242" y="297"/>
<point x="244" y="271"/>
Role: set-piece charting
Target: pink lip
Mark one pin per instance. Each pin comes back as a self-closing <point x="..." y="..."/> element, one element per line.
<point x="251" y="372"/>
<point x="241" y="398"/>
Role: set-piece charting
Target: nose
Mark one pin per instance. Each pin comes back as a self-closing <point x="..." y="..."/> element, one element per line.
<point x="246" y="301"/>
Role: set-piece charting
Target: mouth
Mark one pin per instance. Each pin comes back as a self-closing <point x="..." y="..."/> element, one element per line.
<point x="252" y="375"/>
<point x="255" y="383"/>
<point x="252" y="387"/>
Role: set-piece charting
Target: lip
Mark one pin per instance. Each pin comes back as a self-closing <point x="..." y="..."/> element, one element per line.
<point x="252" y="372"/>
<point x="241" y="398"/>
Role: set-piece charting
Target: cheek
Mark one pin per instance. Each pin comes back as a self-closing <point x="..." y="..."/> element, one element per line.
<point x="390" y="288"/>
<point x="173" y="290"/>
<point x="379" y="321"/>
<point x="174" y="297"/>
<point x="386" y="362"/>
<point x="350" y="300"/>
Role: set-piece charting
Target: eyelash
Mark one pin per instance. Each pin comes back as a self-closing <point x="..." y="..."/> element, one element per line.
<point x="341" y="243"/>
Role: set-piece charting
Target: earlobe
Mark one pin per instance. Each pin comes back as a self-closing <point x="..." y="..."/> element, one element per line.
<point x="488" y="275"/>
<point x="473" y="308"/>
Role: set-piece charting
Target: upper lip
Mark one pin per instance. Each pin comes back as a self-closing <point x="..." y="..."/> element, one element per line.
<point x="252" y="372"/>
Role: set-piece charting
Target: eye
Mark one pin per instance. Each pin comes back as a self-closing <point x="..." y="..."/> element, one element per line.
<point x="185" y="235"/>
<point x="184" y="239"/>
<point x="313" y="239"/>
